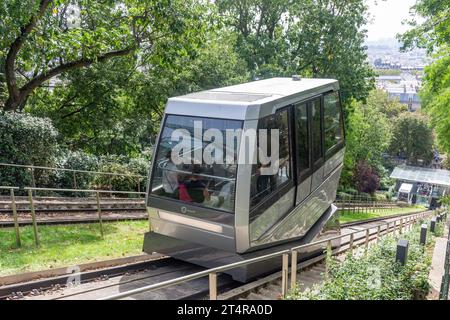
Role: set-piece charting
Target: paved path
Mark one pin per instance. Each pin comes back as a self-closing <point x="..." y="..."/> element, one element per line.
<point x="437" y="265"/>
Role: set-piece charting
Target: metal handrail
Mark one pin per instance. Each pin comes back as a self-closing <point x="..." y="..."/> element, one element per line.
<point x="70" y="170"/>
<point x="9" y="188"/>
<point x="84" y="190"/>
<point x="214" y="271"/>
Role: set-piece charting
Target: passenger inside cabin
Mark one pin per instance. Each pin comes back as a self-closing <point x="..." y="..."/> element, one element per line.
<point x="193" y="189"/>
<point x="170" y="177"/>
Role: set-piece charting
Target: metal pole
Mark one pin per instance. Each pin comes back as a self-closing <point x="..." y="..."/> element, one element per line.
<point x="99" y="211"/>
<point x="328" y="258"/>
<point x="213" y="286"/>
<point x="74" y="181"/>
<point x="284" y="274"/>
<point x="401" y="226"/>
<point x="367" y="239"/>
<point x="351" y="244"/>
<point x="16" y="220"/>
<point x="294" y="268"/>
<point x="33" y="217"/>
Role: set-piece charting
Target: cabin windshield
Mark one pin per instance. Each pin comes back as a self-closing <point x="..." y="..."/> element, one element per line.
<point x="197" y="182"/>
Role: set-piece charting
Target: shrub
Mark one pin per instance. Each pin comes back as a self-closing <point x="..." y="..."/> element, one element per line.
<point x="76" y="160"/>
<point x="366" y="178"/>
<point x="29" y="140"/>
<point x="374" y="275"/>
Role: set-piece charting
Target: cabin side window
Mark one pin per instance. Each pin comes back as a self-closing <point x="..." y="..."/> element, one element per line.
<point x="333" y="122"/>
<point x="316" y="130"/>
<point x="302" y="137"/>
<point x="264" y="186"/>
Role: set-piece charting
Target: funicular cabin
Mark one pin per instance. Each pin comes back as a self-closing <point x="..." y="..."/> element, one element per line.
<point x="213" y="213"/>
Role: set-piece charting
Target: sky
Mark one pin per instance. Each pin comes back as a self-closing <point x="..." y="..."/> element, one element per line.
<point x="387" y="17"/>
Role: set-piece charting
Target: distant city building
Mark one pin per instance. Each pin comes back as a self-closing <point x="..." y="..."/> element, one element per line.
<point x="409" y="98"/>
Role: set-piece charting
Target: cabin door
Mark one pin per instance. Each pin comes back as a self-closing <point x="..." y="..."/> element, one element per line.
<point x="302" y="141"/>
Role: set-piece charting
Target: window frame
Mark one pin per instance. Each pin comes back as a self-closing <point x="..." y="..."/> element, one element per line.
<point x="341" y="144"/>
<point x="268" y="201"/>
<point x="165" y="203"/>
<point x="321" y="160"/>
<point x="302" y="175"/>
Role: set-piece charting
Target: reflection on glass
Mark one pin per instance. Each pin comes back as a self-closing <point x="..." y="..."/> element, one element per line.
<point x="209" y="185"/>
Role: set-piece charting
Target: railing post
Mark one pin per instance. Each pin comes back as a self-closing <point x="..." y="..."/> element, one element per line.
<point x="16" y="219"/>
<point x="74" y="180"/>
<point x="378" y="233"/>
<point x="400" y="231"/>
<point x="213" y="286"/>
<point x="33" y="218"/>
<point x="351" y="243"/>
<point x="367" y="239"/>
<point x="99" y="211"/>
<point x="284" y="275"/>
<point x="294" y="268"/>
<point x="329" y="254"/>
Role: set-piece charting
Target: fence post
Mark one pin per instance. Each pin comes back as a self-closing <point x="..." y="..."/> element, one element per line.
<point x="351" y="244"/>
<point x="402" y="252"/>
<point x="367" y="239"/>
<point x="74" y="180"/>
<point x="213" y="286"/>
<point x="99" y="211"/>
<point x="329" y="254"/>
<point x="33" y="217"/>
<point x="423" y="234"/>
<point x="284" y="274"/>
<point x="378" y="233"/>
<point x="16" y="219"/>
<point x="293" y="268"/>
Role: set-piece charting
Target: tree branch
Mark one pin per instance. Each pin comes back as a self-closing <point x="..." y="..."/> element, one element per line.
<point x="35" y="82"/>
<point x="11" y="80"/>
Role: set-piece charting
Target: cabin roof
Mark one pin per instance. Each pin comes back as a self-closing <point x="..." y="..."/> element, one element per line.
<point x="259" y="90"/>
<point x="251" y="100"/>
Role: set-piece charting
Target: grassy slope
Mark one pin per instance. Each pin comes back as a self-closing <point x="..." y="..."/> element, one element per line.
<point x="348" y="215"/>
<point x="69" y="245"/>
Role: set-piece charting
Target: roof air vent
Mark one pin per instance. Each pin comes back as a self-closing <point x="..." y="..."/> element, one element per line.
<point x="296" y="77"/>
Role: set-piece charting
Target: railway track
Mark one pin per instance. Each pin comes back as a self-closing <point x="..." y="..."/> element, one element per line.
<point x="89" y="218"/>
<point x="95" y="284"/>
<point x="137" y="214"/>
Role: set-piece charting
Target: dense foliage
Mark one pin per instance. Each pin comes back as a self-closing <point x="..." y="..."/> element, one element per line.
<point x="412" y="139"/>
<point x="374" y="275"/>
<point x="433" y="33"/>
<point x="25" y="140"/>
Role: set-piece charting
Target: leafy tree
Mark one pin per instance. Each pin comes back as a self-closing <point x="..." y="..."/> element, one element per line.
<point x="434" y="31"/>
<point x="412" y="138"/>
<point x="43" y="39"/>
<point x="366" y="178"/>
<point x="115" y="108"/>
<point x="368" y="135"/>
<point x="313" y="38"/>
<point x="435" y="95"/>
<point x="25" y="140"/>
<point x="390" y="107"/>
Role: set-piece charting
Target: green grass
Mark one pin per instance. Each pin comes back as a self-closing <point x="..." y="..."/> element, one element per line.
<point x="349" y="215"/>
<point x="67" y="245"/>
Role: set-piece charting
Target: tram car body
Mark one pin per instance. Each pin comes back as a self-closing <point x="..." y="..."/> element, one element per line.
<point x="217" y="214"/>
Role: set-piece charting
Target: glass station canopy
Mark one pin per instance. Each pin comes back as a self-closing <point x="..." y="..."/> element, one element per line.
<point x="425" y="175"/>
